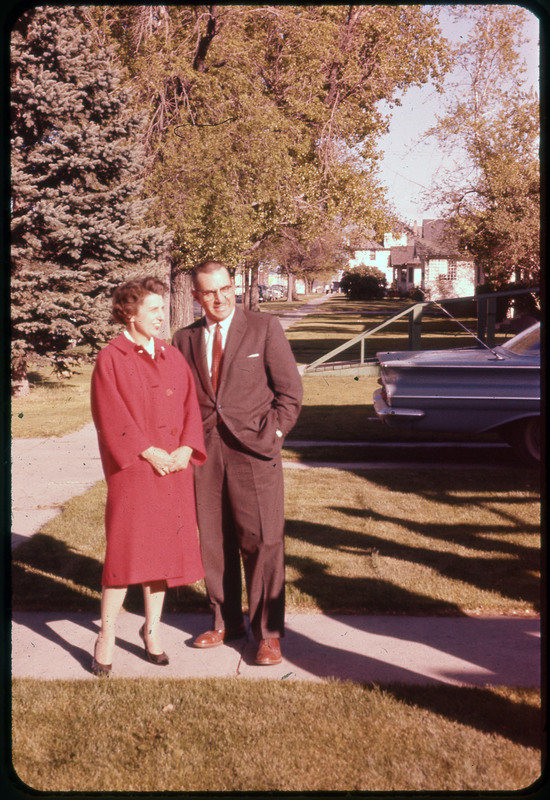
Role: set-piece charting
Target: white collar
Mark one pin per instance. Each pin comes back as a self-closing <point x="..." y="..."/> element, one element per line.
<point x="149" y="347"/>
<point x="224" y="324"/>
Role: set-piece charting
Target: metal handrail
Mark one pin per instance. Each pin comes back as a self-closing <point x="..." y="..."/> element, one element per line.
<point x="360" y="338"/>
<point x="486" y="324"/>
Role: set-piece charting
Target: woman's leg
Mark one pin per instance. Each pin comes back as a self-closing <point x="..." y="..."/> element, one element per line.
<point x="112" y="598"/>
<point x="153" y="601"/>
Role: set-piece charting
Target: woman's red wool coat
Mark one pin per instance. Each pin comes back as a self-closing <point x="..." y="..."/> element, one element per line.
<point x="150" y="520"/>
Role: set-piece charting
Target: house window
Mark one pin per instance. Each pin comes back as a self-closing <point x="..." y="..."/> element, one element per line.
<point x="438" y="268"/>
<point x="372" y="255"/>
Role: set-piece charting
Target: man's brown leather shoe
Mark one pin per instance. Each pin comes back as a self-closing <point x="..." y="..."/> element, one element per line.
<point x="269" y="652"/>
<point x="217" y="637"/>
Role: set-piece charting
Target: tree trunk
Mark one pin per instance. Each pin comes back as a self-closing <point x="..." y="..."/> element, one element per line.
<point x="254" y="291"/>
<point x="246" y="288"/>
<point x="165" y="328"/>
<point x="181" y="300"/>
<point x="19" y="380"/>
<point x="291" y="292"/>
<point x="289" y="284"/>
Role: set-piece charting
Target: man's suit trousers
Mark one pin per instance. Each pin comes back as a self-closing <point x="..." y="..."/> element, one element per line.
<point x="240" y="508"/>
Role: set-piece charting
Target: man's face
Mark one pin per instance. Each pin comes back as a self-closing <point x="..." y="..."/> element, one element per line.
<point x="216" y="293"/>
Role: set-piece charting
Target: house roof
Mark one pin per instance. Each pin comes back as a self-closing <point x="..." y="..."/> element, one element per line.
<point x="427" y="248"/>
<point x="368" y="244"/>
<point x="405" y="254"/>
<point x="435" y="241"/>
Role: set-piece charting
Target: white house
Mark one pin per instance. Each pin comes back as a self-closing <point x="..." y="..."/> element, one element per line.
<point x="425" y="259"/>
<point x="432" y="263"/>
<point x="376" y="256"/>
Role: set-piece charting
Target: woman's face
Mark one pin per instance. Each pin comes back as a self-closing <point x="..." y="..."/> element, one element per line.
<point x="148" y="319"/>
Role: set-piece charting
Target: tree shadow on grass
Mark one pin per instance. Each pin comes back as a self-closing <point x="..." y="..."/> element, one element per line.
<point x="489" y="556"/>
<point x="338" y="423"/>
<point x="48" y="575"/>
<point x="478" y="708"/>
<point x="462" y="487"/>
<point x="419" y="662"/>
<point x="359" y="595"/>
<point x="514" y="577"/>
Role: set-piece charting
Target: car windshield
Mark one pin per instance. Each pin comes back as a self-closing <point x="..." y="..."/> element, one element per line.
<point x="528" y="341"/>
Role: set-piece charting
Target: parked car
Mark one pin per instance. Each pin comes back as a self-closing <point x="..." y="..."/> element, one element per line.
<point x="274" y="292"/>
<point x="467" y="390"/>
<point x="265" y="293"/>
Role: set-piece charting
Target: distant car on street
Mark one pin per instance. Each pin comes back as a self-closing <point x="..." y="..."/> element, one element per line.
<point x="274" y="292"/>
<point x="265" y="293"/>
<point x="467" y="390"/>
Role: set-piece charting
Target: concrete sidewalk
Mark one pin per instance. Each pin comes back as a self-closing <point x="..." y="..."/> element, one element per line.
<point x="45" y="473"/>
<point x="288" y="318"/>
<point x="429" y="650"/>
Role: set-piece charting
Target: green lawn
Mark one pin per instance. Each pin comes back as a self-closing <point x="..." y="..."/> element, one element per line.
<point x="233" y="735"/>
<point x="321" y="331"/>
<point x="55" y="406"/>
<point x="387" y="542"/>
<point x="444" y="541"/>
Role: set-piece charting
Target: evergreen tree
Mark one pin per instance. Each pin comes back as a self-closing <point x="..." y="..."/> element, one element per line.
<point x="79" y="225"/>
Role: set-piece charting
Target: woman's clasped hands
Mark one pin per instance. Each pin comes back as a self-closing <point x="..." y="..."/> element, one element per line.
<point x="164" y="463"/>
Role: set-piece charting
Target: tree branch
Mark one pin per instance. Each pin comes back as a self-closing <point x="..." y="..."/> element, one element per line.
<point x="205" y="41"/>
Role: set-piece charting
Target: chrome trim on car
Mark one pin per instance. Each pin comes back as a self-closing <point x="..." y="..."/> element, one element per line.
<point x="404" y="397"/>
<point x="384" y="410"/>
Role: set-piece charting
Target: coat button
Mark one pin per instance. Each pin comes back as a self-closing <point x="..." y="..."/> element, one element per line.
<point x="174" y="431"/>
<point x="169" y="392"/>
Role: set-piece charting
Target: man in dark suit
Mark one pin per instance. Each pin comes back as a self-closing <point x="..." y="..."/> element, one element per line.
<point x="250" y="394"/>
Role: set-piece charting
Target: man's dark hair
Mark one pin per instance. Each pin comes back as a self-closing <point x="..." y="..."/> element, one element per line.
<point x="206" y="267"/>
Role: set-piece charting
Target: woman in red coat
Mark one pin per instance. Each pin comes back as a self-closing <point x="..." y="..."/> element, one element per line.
<point x="149" y="429"/>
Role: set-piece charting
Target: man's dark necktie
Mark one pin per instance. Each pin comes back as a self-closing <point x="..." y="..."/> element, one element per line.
<point x="217" y="353"/>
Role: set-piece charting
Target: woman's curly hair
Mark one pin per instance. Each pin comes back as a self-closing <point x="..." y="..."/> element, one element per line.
<point x="129" y="296"/>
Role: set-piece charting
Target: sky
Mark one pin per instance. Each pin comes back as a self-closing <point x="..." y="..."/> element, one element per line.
<point x="409" y="165"/>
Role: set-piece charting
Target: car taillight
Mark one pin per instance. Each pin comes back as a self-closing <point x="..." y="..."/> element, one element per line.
<point x="383" y="391"/>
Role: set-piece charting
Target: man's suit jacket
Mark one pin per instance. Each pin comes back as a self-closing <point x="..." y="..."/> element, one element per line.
<point x="259" y="389"/>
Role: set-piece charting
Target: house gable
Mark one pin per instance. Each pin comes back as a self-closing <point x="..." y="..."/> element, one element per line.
<point x="433" y="264"/>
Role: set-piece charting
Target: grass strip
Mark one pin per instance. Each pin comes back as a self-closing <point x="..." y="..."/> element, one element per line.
<point x="386" y="542"/>
<point x="246" y="735"/>
<point x="56" y="405"/>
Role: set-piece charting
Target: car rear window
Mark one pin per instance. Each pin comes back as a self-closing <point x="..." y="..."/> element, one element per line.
<point x="527" y="341"/>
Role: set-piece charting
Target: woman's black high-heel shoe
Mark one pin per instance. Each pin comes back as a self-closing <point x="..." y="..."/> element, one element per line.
<point x="161" y="660"/>
<point x="101" y="670"/>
